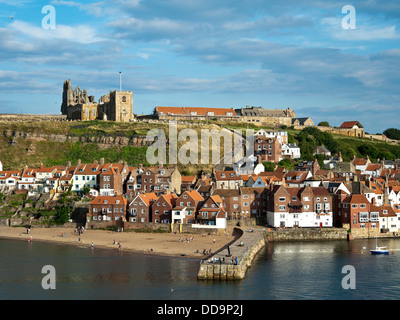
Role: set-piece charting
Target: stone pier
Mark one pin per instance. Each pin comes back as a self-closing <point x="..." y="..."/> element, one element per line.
<point x="242" y="250"/>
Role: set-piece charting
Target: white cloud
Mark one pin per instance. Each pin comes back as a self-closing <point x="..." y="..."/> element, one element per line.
<point x="81" y="34"/>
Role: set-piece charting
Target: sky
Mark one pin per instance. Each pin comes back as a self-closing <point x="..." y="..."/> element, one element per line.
<point x="207" y="53"/>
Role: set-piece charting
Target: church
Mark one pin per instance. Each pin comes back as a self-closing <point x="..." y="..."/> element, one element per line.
<point x="114" y="106"/>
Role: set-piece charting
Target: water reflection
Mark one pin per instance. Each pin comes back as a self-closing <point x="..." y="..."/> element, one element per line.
<point x="296" y="270"/>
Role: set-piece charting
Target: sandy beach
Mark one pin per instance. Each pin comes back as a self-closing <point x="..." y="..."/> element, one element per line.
<point x="166" y="244"/>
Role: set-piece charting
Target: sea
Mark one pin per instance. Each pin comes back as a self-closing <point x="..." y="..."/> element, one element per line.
<point x="317" y="270"/>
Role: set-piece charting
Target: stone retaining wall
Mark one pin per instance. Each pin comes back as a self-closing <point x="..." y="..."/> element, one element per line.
<point x="306" y="234"/>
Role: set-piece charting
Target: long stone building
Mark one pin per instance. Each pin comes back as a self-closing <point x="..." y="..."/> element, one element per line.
<point x="266" y="117"/>
<point x="114" y="106"/>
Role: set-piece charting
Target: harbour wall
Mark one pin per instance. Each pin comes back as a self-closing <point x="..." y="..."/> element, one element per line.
<point x="222" y="265"/>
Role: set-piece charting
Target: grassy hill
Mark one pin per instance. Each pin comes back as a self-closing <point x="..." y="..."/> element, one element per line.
<point x="54" y="143"/>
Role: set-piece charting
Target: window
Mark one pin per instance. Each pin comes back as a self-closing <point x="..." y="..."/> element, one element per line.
<point x="282" y="199"/>
<point x="282" y="208"/>
<point x="363" y="216"/>
<point x="306" y="198"/>
<point x="354" y="206"/>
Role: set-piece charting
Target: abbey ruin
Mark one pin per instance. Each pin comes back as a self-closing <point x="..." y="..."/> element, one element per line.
<point x="114" y="106"/>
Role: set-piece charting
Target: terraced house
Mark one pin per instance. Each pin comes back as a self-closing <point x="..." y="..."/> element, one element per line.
<point x="108" y="208"/>
<point x="139" y="209"/>
<point x="299" y="207"/>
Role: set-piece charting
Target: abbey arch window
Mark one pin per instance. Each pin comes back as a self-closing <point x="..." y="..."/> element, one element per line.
<point x="123" y="99"/>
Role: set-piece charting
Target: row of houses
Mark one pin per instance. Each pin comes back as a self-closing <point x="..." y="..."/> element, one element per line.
<point x="304" y="197"/>
<point x="307" y="196"/>
<point x="100" y="178"/>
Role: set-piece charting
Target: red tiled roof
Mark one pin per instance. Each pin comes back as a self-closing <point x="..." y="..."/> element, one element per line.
<point x="148" y="197"/>
<point x="227" y="175"/>
<point x="359" y="161"/>
<point x="373" y="167"/>
<point x="389" y="210"/>
<point x="350" y="124"/>
<point x="198" y="110"/>
<point x="195" y="195"/>
<point x="356" y="198"/>
<point x="188" y="178"/>
<point x="109" y="200"/>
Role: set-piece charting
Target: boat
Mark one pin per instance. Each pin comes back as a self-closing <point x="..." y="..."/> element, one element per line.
<point x="379" y="250"/>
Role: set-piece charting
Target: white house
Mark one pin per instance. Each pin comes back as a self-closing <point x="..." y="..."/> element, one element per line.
<point x="85" y="175"/>
<point x="394" y="196"/>
<point x="282" y="135"/>
<point x="388" y="220"/>
<point x="291" y="150"/>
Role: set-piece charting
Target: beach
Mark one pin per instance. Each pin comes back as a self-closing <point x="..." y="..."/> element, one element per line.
<point x="163" y="244"/>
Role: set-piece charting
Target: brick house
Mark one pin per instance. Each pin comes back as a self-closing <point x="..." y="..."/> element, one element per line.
<point x="108" y="208"/>
<point x="110" y="181"/>
<point x="227" y="180"/>
<point x="254" y="202"/>
<point x="232" y="202"/>
<point x="139" y="210"/>
<point x="188" y="183"/>
<point x="161" y="180"/>
<point x="186" y="207"/>
<point x="299" y="207"/>
<point x="162" y="208"/>
<point x="354" y="211"/>
<point x="270" y="149"/>
<point x="210" y="211"/>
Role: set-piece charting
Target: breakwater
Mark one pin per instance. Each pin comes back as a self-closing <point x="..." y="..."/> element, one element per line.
<point x="233" y="260"/>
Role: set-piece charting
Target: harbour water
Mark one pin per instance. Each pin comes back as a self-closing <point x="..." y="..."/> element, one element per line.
<point x="283" y="271"/>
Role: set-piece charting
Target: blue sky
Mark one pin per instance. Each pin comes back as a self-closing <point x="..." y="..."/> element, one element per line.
<point x="207" y="53"/>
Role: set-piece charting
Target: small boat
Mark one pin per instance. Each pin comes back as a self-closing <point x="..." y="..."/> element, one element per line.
<point x="379" y="250"/>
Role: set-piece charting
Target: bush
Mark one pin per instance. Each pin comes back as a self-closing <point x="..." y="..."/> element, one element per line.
<point x="392" y="133"/>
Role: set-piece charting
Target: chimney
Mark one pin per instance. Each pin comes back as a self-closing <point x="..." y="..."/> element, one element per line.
<point x="102" y="161"/>
<point x="340" y="157"/>
<point x="160" y="165"/>
<point x="96" y="162"/>
<point x="79" y="162"/>
<point x="68" y="164"/>
<point x="258" y="159"/>
<point x="41" y="165"/>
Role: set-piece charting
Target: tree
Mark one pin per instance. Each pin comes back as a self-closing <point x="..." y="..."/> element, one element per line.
<point x="392" y="133"/>
<point x="269" y="166"/>
<point x="62" y="214"/>
<point x="85" y="190"/>
<point x="324" y="124"/>
<point x="286" y="163"/>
